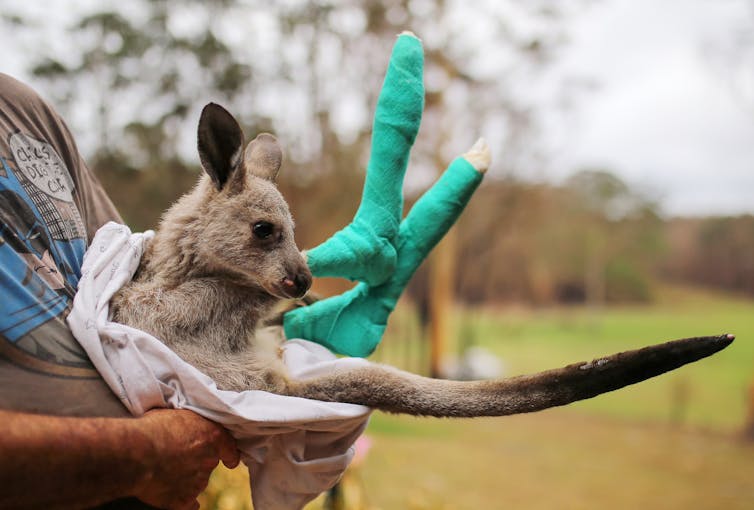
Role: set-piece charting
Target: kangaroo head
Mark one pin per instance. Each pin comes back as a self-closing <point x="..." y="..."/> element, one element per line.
<point x="244" y="229"/>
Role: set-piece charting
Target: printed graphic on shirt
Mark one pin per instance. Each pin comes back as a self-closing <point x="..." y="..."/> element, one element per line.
<point x="49" y="185"/>
<point x="42" y="244"/>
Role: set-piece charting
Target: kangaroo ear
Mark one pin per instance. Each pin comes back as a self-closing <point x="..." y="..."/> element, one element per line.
<point x="263" y="157"/>
<point x="220" y="142"/>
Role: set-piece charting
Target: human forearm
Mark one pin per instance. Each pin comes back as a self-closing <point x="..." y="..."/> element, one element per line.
<point x="69" y="462"/>
<point x="164" y="458"/>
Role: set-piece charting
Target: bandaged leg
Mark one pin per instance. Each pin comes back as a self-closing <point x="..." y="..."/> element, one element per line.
<point x="353" y="323"/>
<point x="365" y="249"/>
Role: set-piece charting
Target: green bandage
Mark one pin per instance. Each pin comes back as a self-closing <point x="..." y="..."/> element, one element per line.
<point x="353" y="323"/>
<point x="365" y="249"/>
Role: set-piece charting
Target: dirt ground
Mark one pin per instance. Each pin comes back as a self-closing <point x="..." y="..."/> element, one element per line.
<point x="558" y="459"/>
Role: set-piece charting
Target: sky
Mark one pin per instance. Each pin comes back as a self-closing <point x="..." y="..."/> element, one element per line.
<point x="673" y="110"/>
<point x="672" y="107"/>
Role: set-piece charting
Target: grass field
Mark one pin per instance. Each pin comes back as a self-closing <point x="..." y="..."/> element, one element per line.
<point x="710" y="393"/>
<point x="668" y="443"/>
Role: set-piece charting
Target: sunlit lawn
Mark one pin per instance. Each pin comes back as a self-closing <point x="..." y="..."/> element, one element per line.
<point x="667" y="443"/>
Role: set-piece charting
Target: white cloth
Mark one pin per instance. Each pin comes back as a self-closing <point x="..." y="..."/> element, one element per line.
<point x="294" y="448"/>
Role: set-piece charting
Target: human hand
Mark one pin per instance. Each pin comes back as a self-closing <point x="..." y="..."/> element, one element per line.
<point x="183" y="450"/>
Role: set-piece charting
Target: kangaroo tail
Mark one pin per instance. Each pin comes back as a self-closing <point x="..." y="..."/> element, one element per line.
<point x="392" y="390"/>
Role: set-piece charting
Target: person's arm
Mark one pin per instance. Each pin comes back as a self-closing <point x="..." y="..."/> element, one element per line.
<point x="163" y="458"/>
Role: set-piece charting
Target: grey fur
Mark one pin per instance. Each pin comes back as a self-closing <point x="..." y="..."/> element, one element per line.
<point x="207" y="282"/>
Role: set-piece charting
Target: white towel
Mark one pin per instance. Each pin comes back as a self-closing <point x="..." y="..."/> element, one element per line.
<point x="295" y="448"/>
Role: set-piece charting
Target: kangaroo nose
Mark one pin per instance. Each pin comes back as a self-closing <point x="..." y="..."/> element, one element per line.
<point x="297" y="285"/>
<point x="303" y="283"/>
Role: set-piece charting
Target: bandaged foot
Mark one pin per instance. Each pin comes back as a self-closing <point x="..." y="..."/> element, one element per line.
<point x="353" y="323"/>
<point x="365" y="249"/>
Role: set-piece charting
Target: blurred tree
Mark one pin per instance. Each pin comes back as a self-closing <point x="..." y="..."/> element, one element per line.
<point x="592" y="239"/>
<point x="715" y="252"/>
<point x="310" y="72"/>
<point x="620" y="233"/>
<point x="139" y="78"/>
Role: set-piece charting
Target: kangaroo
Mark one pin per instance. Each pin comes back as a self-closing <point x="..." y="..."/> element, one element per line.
<point x="224" y="256"/>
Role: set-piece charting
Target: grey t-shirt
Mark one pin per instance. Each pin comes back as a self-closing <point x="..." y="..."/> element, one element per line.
<point x="50" y="207"/>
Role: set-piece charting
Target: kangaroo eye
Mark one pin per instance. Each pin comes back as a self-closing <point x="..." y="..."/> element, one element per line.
<point x="262" y="229"/>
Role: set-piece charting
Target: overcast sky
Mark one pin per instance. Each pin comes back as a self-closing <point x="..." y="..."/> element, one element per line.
<point x="672" y="111"/>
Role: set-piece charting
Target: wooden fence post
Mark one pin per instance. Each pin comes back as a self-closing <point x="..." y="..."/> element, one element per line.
<point x="442" y="271"/>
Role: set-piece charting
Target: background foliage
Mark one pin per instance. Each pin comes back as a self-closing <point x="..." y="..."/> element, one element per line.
<point x="138" y="74"/>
